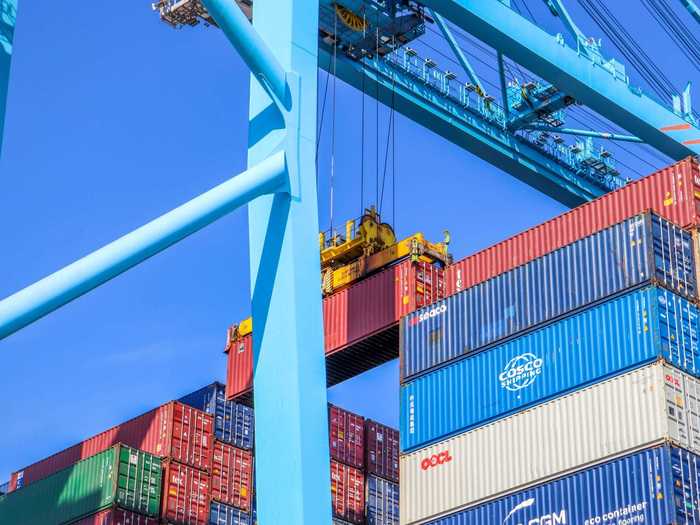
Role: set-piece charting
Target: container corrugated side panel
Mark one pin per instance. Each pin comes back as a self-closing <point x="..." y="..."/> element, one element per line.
<point x="239" y="369"/>
<point x="186" y="495"/>
<point x="221" y="514"/>
<point x="670" y="192"/>
<point x="382" y="501"/>
<point x="347" y="436"/>
<point x="138" y="481"/>
<point x="623" y="333"/>
<point x="117" y="517"/>
<point x="68" y="495"/>
<point x="347" y="492"/>
<point x="637" y="251"/>
<point x="382" y="451"/>
<point x="145" y="432"/>
<point x="232" y="476"/>
<point x="590" y="426"/>
<point x="233" y="422"/>
<point x="655" y="486"/>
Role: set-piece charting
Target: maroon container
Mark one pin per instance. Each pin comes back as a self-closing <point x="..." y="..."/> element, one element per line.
<point x="382" y="451"/>
<point x="186" y="493"/>
<point x="232" y="476"/>
<point x="347" y="436"/>
<point x="673" y="193"/>
<point x="117" y="517"/>
<point x="173" y="430"/>
<point x="353" y="316"/>
<point x="347" y="492"/>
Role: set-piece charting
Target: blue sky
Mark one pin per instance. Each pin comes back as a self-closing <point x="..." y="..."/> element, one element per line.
<point x="113" y="119"/>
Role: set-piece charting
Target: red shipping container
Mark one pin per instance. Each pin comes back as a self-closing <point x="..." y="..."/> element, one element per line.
<point x="347" y="435"/>
<point x="382" y="446"/>
<point x="350" y="317"/>
<point x="232" y="476"/>
<point x="172" y="430"/>
<point x="239" y="369"/>
<point x="186" y="492"/>
<point x="673" y="192"/>
<point x="117" y="517"/>
<point x="347" y="492"/>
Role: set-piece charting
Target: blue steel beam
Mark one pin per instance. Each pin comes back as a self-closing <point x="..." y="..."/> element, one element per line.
<point x="584" y="133"/>
<point x="78" y="278"/>
<point x="574" y="73"/>
<point x="8" y="17"/>
<point x="492" y="142"/>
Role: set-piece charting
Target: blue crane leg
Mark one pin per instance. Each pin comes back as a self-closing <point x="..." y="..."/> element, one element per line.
<point x="52" y="292"/>
<point x="291" y="439"/>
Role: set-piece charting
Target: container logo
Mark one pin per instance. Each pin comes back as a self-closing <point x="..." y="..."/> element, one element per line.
<point x="552" y="518"/>
<point x="521" y="371"/>
<point x="433" y="312"/>
<point x="435" y="460"/>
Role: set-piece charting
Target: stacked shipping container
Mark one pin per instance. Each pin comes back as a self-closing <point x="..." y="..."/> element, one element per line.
<point x="572" y="344"/>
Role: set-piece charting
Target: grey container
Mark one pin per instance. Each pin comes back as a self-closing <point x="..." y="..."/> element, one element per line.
<point x="651" y="405"/>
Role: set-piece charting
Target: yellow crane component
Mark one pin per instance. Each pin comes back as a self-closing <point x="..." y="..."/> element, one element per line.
<point x="367" y="246"/>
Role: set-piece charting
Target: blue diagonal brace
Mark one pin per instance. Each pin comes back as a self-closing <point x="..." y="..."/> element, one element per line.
<point x="461" y="58"/>
<point x="573" y="73"/>
<point x="52" y="292"/>
<point x="692" y="8"/>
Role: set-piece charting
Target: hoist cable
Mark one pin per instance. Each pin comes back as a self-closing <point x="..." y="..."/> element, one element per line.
<point x="335" y="92"/>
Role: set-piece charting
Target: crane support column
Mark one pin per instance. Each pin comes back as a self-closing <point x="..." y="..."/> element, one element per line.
<point x="291" y="428"/>
<point x="8" y="15"/>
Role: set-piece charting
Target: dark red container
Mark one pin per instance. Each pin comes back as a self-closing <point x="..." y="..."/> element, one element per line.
<point x="355" y="323"/>
<point x="232" y="476"/>
<point x="382" y="451"/>
<point x="186" y="493"/>
<point x="117" y="517"/>
<point x="673" y="192"/>
<point x="172" y="430"/>
<point x="346" y="436"/>
<point x="347" y="492"/>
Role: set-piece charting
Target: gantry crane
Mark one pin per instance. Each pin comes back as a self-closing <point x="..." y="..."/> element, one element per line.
<point x="283" y="48"/>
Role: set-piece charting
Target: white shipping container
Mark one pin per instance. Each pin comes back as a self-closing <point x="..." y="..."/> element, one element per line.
<point x="647" y="406"/>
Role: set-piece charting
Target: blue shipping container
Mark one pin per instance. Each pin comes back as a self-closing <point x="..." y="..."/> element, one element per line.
<point x="382" y="501"/>
<point x="639" y="251"/>
<point x="221" y="514"/>
<point x="233" y="422"/>
<point x="605" y="340"/>
<point x="658" y="486"/>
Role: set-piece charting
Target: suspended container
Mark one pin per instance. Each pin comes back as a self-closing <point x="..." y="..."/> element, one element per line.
<point x="233" y="422"/>
<point x="186" y="495"/>
<point x="656" y="486"/>
<point x="360" y="324"/>
<point x="624" y="333"/>
<point x="347" y="436"/>
<point x="347" y="492"/>
<point x="638" y="251"/>
<point x="382" y="451"/>
<point x="117" y="517"/>
<point x="382" y="501"/>
<point x="646" y="407"/>
<point x="173" y="430"/>
<point x="232" y="476"/>
<point x="221" y="514"/>
<point x="117" y="477"/>
<point x="673" y="193"/>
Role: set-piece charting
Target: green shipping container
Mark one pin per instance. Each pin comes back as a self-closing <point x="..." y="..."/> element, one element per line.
<point x="119" y="477"/>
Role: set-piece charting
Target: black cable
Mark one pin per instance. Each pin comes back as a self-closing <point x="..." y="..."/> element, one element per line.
<point x="362" y="141"/>
<point x="320" y="128"/>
